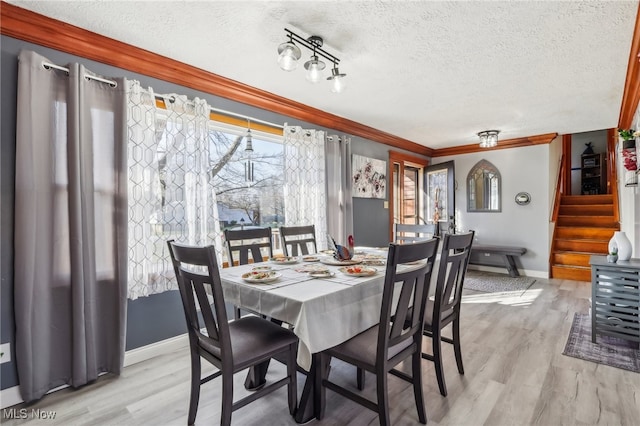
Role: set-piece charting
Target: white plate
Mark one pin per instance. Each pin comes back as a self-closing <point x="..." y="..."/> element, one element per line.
<point x="312" y="267"/>
<point x="260" y="279"/>
<point x="310" y="258"/>
<point x="365" y="271"/>
<point x="322" y="274"/>
<point x="261" y="268"/>
<point x="285" y="260"/>
<point x="332" y="261"/>
<point x="374" y="262"/>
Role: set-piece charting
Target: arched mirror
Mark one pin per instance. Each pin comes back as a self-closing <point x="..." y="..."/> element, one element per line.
<point x="483" y="188"/>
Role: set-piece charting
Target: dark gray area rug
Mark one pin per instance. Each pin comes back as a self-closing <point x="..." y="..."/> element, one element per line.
<point x="608" y="350"/>
<point x="490" y="282"/>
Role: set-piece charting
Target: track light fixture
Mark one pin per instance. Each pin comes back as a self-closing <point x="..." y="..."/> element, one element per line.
<point x="289" y="53"/>
<point x="488" y="138"/>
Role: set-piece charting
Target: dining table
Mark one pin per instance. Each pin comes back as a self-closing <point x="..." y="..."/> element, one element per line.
<point x="323" y="309"/>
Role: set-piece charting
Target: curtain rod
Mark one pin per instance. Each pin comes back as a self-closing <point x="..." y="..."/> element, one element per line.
<point x="47" y="65"/>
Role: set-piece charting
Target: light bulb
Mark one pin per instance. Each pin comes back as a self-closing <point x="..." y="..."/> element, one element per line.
<point x="289" y="55"/>
<point x="338" y="80"/>
<point x="314" y="69"/>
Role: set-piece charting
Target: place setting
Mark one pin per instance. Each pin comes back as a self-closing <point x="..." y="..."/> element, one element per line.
<point x="358" y="271"/>
<point x="267" y="276"/>
<point x="285" y="260"/>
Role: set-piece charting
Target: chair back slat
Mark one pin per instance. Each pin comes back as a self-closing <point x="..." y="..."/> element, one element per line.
<point x="454" y="259"/>
<point x="298" y="240"/>
<point x="409" y="233"/>
<point x="258" y="238"/>
<point x="196" y="270"/>
<point x="412" y="283"/>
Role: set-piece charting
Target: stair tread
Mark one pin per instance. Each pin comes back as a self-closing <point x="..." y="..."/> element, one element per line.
<point x="585" y="240"/>
<point x="563" y="266"/>
<point x="581" y="227"/>
<point x="576" y="252"/>
<point x="586" y="215"/>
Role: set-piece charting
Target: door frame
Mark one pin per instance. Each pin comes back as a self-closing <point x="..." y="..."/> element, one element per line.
<point x="399" y="157"/>
<point x="446" y="224"/>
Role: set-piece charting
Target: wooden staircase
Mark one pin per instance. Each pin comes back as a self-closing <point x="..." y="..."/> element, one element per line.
<point x="584" y="227"/>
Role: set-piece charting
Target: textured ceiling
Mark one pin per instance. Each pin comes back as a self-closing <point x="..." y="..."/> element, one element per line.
<point x="435" y="73"/>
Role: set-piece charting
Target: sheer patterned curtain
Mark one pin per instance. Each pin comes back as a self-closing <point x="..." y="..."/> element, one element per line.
<point x="340" y="213"/>
<point x="305" y="197"/>
<point x="70" y="226"/>
<point x="171" y="195"/>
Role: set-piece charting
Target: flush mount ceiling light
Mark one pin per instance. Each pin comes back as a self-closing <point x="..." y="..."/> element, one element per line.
<point x="488" y="138"/>
<point x="289" y="53"/>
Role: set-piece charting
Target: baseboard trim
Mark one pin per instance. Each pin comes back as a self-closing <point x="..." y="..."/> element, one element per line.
<point x="502" y="270"/>
<point x="153" y="350"/>
<point x="11" y="396"/>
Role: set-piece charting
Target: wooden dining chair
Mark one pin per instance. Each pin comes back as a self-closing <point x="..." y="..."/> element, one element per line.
<point x="245" y="242"/>
<point x="444" y="308"/>
<point x="409" y="233"/>
<point x="230" y="346"/>
<point x="298" y="240"/>
<point x="394" y="340"/>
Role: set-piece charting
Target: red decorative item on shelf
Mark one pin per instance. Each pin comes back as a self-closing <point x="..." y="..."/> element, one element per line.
<point x="629" y="156"/>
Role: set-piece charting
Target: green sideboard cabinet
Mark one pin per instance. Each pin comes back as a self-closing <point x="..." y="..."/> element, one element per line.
<point x="615" y="299"/>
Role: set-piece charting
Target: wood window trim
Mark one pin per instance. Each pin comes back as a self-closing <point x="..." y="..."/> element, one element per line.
<point x="235" y="121"/>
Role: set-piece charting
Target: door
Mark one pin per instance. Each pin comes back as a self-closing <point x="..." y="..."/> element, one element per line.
<point x="408" y="197"/>
<point x="439" y="184"/>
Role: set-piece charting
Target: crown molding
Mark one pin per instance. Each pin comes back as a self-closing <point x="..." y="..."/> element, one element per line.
<point x="631" y="95"/>
<point x="502" y="144"/>
<point x="32" y="27"/>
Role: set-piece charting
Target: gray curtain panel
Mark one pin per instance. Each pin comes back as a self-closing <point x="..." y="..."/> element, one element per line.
<point x="339" y="194"/>
<point x="70" y="226"/>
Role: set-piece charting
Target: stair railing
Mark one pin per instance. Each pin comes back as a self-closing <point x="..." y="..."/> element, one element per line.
<point x="612" y="172"/>
<point x="559" y="190"/>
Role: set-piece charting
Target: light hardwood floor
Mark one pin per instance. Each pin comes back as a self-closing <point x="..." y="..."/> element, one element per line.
<point x="515" y="374"/>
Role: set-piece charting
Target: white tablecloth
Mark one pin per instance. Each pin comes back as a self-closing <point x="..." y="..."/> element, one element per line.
<point x="323" y="311"/>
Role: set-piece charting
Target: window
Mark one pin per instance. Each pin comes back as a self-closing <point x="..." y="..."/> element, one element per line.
<point x="249" y="185"/>
<point x="189" y="178"/>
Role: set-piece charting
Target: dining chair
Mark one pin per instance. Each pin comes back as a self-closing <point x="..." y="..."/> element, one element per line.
<point x="409" y="233"/>
<point x="444" y="308"/>
<point x="258" y="239"/>
<point x="394" y="340"/>
<point x="298" y="240"/>
<point x="236" y="242"/>
<point x="229" y="346"/>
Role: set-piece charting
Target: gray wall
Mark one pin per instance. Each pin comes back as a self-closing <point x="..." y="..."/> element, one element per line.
<point x="157" y="317"/>
<point x="522" y="169"/>
<point x="370" y="218"/>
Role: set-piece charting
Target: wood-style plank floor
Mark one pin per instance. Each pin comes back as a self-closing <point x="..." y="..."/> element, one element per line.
<point x="515" y="374"/>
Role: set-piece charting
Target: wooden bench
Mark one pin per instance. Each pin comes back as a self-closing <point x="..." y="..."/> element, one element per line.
<point x="506" y="252"/>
